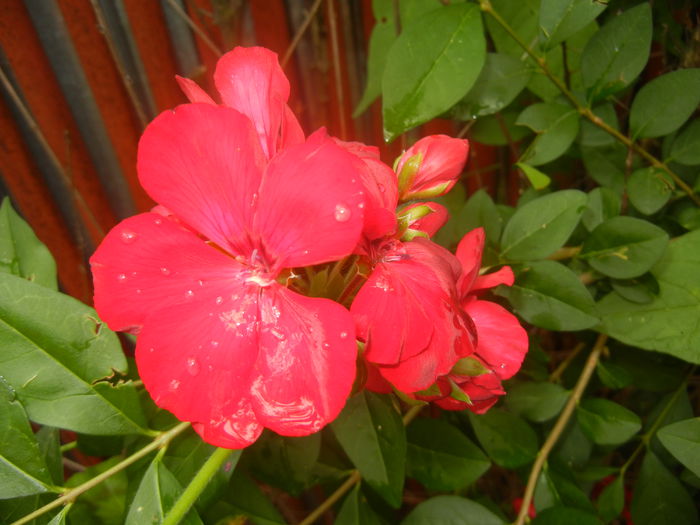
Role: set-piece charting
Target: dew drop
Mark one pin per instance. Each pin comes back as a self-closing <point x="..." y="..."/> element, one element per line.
<point x="361" y="205"/>
<point x="121" y="277"/>
<point x="174" y="385"/>
<point x="342" y="213"/>
<point x="381" y="188"/>
<point x="139" y="291"/>
<point x="219" y="300"/>
<point x="158" y="221"/>
<point x="343" y="335"/>
<point x="189" y="294"/>
<point x="200" y="282"/>
<point x="192" y="366"/>
<point x="128" y="237"/>
<point x="151" y="350"/>
<point x="326" y="346"/>
<point x="214" y="343"/>
<point x="165" y="271"/>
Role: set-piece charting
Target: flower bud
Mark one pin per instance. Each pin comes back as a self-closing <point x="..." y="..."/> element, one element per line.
<point x="421" y="220"/>
<point x="431" y="167"/>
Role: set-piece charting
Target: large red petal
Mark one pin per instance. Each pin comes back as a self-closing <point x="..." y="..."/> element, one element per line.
<point x="148" y="262"/>
<point x="196" y="358"/>
<point x="307" y="361"/>
<point x="502" y="341"/>
<point x="204" y="164"/>
<point x="311" y="204"/>
<point x="252" y="81"/>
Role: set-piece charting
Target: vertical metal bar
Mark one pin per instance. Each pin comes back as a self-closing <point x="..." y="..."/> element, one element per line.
<point x="56" y="42"/>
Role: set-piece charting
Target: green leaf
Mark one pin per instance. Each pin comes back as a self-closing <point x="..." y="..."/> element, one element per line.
<point x="605" y="422"/>
<point x="490" y="129"/>
<point x="641" y="290"/>
<point x="618" y="52"/>
<point x="49" y="441"/>
<point x="606" y="166"/>
<point x="559" y="19"/>
<point x="567" y="515"/>
<point x="538" y="179"/>
<point x="156" y="495"/>
<point x="60" y="518"/>
<point x="612" y="375"/>
<point x="451" y="510"/>
<point x="659" y="498"/>
<point x="502" y="78"/>
<point x="550" y="295"/>
<point x="356" y="510"/>
<point x="682" y="439"/>
<point x="542" y="226"/>
<point x="612" y="500"/>
<point x="556" y="126"/>
<point x="649" y="189"/>
<point x="286" y="462"/>
<point x="624" y="247"/>
<point x="55" y="352"/>
<point x="495" y="430"/>
<point x="667" y="324"/>
<point x="686" y="146"/>
<point x="522" y="17"/>
<point x="665" y="103"/>
<point x="373" y="436"/>
<point x="246" y="497"/>
<point x="556" y="489"/>
<point x="432" y="65"/>
<point x="603" y="204"/>
<point x="537" y="402"/>
<point x="105" y="503"/>
<point x="480" y="211"/>
<point x="21" y="252"/>
<point x="441" y="457"/>
<point x="22" y="469"/>
<point x="383" y="36"/>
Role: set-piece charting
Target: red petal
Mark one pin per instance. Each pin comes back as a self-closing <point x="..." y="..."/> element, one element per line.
<point x="204" y="164"/>
<point x="147" y="262"/>
<point x="432" y="222"/>
<point x="502" y="341"/>
<point x="502" y="276"/>
<point x="407" y="315"/>
<point x="469" y="252"/>
<point x="307" y="361"/>
<point x="311" y="204"/>
<point x="193" y="92"/>
<point x="252" y="81"/>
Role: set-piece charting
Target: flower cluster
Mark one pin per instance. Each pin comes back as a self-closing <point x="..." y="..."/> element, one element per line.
<point x="272" y="257"/>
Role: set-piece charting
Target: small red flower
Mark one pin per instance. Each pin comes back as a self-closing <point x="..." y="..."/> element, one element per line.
<point x="502" y="341"/>
<point x="243" y="196"/>
<point x="431" y="167"/>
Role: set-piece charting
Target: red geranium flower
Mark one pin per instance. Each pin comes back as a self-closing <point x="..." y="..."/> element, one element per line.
<point x="221" y="342"/>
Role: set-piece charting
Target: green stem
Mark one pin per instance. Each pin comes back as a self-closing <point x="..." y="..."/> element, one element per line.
<point x="163" y="439"/>
<point x="584" y="111"/>
<point x="197" y="486"/>
<point x="560" y="425"/>
<point x="68" y="446"/>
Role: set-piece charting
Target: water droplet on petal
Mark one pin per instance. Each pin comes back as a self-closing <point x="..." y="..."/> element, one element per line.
<point x="342" y="213"/>
<point x="361" y="205"/>
<point x="219" y="300"/>
<point x="174" y="385"/>
<point x="343" y="335"/>
<point x="189" y="294"/>
<point x="326" y="346"/>
<point x="192" y="366"/>
<point x="139" y="291"/>
<point x="214" y="343"/>
<point x="158" y="221"/>
<point x="381" y="188"/>
<point x="151" y="350"/>
<point x="165" y="271"/>
<point x="200" y="282"/>
<point x="128" y="237"/>
<point x="121" y="277"/>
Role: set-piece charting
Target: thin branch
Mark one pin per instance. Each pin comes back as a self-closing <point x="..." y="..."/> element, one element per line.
<point x="161" y="441"/>
<point x="584" y="111"/>
<point x="555" y="376"/>
<point x="560" y="425"/>
<point x="300" y="33"/>
<point x="338" y="77"/>
<point x="198" y="30"/>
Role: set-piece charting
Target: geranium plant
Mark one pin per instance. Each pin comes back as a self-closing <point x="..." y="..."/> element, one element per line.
<point x="312" y="332"/>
